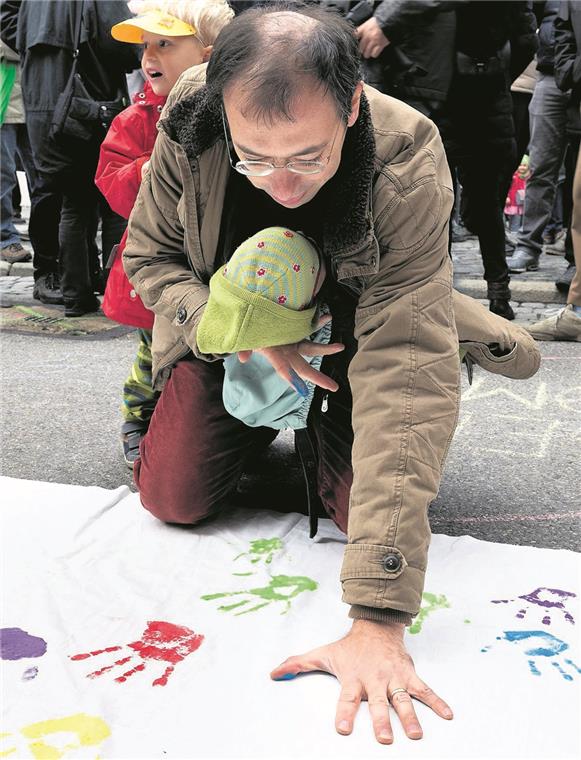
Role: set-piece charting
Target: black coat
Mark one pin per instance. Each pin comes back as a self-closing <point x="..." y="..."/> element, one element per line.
<point x="500" y="38"/>
<point x="421" y="33"/>
<point x="568" y="59"/>
<point x="546" y="15"/>
<point x="46" y="41"/>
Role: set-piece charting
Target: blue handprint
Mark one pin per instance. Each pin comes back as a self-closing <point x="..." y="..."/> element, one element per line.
<point x="539" y="644"/>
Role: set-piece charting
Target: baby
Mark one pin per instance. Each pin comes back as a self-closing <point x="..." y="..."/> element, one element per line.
<point x="265" y="296"/>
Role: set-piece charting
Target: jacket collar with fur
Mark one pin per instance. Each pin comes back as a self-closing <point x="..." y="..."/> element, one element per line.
<point x="196" y="125"/>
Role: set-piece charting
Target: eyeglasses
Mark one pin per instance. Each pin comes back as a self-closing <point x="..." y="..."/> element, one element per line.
<point x="264" y="168"/>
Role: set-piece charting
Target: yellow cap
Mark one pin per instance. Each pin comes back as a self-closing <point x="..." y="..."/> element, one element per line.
<point x="156" y="22"/>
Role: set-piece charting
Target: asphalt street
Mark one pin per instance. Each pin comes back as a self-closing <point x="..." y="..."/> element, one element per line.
<point x="513" y="473"/>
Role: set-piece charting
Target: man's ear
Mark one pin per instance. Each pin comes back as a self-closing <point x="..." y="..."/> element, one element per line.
<point x="355" y="102"/>
<point x="206" y="53"/>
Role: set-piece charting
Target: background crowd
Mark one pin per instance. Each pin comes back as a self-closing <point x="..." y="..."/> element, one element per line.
<point x="501" y="80"/>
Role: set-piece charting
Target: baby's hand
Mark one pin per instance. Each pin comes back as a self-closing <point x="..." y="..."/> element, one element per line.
<point x="144" y="169"/>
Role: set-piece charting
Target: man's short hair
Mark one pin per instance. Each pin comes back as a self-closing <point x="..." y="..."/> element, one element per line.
<point x="267" y="54"/>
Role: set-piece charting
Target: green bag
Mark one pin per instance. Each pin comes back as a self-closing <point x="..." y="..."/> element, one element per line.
<point x="7" y="77"/>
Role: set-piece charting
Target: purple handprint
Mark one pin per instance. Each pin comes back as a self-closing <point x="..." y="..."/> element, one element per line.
<point x="16" y="644"/>
<point x="547" y="598"/>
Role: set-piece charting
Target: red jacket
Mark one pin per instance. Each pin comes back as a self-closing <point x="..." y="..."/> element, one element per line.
<point x="128" y="145"/>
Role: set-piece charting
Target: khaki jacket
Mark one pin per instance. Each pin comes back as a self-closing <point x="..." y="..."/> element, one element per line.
<point x="388" y="246"/>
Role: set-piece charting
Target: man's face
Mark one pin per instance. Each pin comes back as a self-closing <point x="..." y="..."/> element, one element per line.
<point x="317" y="133"/>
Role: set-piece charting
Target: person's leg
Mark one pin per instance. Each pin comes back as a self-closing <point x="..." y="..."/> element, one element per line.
<point x="520" y="115"/>
<point x="193" y="453"/>
<point x="8" y="181"/>
<point x="43" y="228"/>
<point x="139" y="399"/>
<point x="77" y="215"/>
<point x="566" y="325"/>
<point x="547" y="147"/>
<point x="574" y="297"/>
<point x="480" y="178"/>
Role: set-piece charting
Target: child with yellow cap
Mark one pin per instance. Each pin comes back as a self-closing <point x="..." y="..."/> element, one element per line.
<point x="175" y="35"/>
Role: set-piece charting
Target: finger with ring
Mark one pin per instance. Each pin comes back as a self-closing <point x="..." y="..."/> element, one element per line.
<point x="402" y="704"/>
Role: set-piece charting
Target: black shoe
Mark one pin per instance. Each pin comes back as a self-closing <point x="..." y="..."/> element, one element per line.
<point x="502" y="307"/>
<point x="47" y="289"/>
<point x="563" y="283"/>
<point x="83" y="306"/>
<point x="131" y="435"/>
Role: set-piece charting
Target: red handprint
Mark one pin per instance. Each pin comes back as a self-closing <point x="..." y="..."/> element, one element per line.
<point x="160" y="641"/>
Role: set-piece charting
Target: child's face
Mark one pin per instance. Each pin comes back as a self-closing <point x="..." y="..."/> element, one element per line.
<point x="165" y="58"/>
<point x="522" y="170"/>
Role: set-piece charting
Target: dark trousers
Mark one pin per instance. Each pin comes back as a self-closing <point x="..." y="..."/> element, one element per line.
<point x="80" y="202"/>
<point x="485" y="194"/>
<point x="194" y="452"/>
<point x="43" y="227"/>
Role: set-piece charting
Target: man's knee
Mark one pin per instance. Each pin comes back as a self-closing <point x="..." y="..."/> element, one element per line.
<point x="172" y="502"/>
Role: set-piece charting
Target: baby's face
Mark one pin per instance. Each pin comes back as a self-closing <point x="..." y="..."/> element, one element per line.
<point x="166" y="58"/>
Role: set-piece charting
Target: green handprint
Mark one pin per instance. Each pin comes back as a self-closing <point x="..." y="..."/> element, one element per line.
<point x="433" y="603"/>
<point x="262" y="549"/>
<point x="282" y="588"/>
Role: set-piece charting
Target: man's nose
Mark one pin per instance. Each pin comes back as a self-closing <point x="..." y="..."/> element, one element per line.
<point x="283" y="184"/>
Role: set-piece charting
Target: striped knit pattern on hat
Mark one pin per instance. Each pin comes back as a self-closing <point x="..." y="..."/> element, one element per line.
<point x="278" y="264"/>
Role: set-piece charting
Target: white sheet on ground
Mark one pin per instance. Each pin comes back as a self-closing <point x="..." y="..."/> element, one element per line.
<point x="87" y="570"/>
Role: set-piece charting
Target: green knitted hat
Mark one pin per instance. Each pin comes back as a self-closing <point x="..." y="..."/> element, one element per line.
<point x="263" y="296"/>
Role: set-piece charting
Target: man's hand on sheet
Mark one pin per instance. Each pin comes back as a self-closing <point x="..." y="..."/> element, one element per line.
<point x="289" y="363"/>
<point x="370" y="662"/>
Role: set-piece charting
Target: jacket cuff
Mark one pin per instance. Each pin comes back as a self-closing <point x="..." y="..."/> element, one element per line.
<point x="379" y="577"/>
<point x="360" y="612"/>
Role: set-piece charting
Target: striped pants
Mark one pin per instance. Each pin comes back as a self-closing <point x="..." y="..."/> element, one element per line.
<point x="139" y="398"/>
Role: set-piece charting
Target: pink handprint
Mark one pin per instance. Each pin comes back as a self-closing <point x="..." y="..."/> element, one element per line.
<point x="547" y="598"/>
<point x="164" y="642"/>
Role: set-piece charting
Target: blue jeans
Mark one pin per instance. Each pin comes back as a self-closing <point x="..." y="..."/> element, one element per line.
<point x="548" y="118"/>
<point x="13" y="139"/>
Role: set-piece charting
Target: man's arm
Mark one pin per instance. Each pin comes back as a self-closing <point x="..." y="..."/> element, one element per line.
<point x="396" y="17"/>
<point x="155" y="257"/>
<point x="405" y="384"/>
<point x="565" y="49"/>
<point x="9" y="10"/>
<point x="524" y="41"/>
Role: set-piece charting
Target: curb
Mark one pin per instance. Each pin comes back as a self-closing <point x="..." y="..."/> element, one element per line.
<point x="534" y="291"/>
<point x="531" y="291"/>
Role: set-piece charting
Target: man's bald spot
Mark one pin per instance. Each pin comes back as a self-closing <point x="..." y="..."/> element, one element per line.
<point x="266" y="59"/>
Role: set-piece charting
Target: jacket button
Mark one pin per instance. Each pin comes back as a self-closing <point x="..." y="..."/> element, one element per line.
<point x="132" y="293"/>
<point x="391" y="563"/>
<point x="181" y="315"/>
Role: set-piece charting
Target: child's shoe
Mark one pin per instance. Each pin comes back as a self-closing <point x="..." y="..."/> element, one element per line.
<point x="131" y="435"/>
